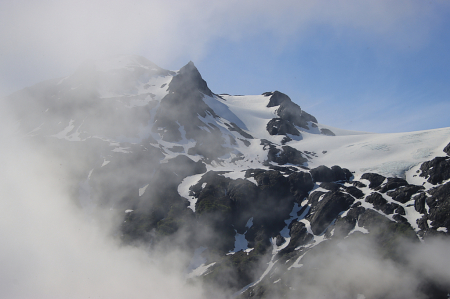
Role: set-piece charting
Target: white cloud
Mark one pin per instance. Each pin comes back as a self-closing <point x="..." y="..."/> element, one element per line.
<point x="52" y="37"/>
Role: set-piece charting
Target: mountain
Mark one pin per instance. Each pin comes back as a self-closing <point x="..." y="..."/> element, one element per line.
<point x="269" y="202"/>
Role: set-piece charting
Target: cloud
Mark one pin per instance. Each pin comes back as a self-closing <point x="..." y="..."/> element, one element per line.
<point x="44" y="39"/>
<point x="52" y="249"/>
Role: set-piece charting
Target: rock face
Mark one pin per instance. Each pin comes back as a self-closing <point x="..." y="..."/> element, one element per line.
<point x="182" y="106"/>
<point x="290" y="115"/>
<point x="439" y="204"/>
<point x="325" y="211"/>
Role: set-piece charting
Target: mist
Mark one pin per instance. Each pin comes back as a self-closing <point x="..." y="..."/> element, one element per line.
<point x="357" y="268"/>
<point x="53" y="249"/>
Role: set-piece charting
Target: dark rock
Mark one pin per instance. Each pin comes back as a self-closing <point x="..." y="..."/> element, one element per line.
<point x="285" y="140"/>
<point x="299" y="236"/>
<point x="371" y="219"/>
<point x="392" y="183"/>
<point x="376" y="199"/>
<point x="379" y="203"/>
<point x="234" y="127"/>
<point x="330" y="186"/>
<point x="289" y="111"/>
<point x="400" y="210"/>
<point x="327" y="132"/>
<point x="388" y="235"/>
<point x="447" y="149"/>
<point x="422" y="223"/>
<point x="359" y="184"/>
<point x="389" y="208"/>
<point x="278" y="126"/>
<point x="322" y="174"/>
<point x="419" y="203"/>
<point x="341" y="174"/>
<point x="246" y="142"/>
<point x="355" y="211"/>
<point x="355" y="192"/>
<point x="300" y="184"/>
<point x="343" y="226"/>
<point x="265" y="143"/>
<point x="280" y="240"/>
<point x="189" y="79"/>
<point x="400" y="218"/>
<point x="273" y="182"/>
<point x="439" y="204"/>
<point x="328" y="209"/>
<point x="183" y="105"/>
<point x="252" y="172"/>
<point x="404" y="193"/>
<point x="314" y="197"/>
<point x="244" y="200"/>
<point x="374" y="178"/>
<point x="356" y="204"/>
<point x="286" y="155"/>
<point x="276" y="98"/>
<point x="275" y="201"/>
<point x="436" y="170"/>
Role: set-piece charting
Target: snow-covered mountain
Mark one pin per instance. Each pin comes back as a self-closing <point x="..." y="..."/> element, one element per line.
<point x="268" y="201"/>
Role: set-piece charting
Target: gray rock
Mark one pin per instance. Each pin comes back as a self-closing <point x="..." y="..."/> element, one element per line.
<point x="436" y="170"/>
<point x="328" y="209"/>
<point x="375" y="179"/>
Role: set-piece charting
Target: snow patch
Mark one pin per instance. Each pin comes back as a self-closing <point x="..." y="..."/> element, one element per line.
<point x="183" y="189"/>
<point x="142" y="190"/>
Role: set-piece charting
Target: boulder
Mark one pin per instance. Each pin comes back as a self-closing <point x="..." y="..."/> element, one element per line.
<point x="377" y="200"/>
<point x="286" y="155"/>
<point x="355" y="192"/>
<point x="278" y="126"/>
<point x="375" y="179"/>
<point x="359" y="184"/>
<point x="279" y="240"/>
<point x="392" y="183"/>
<point x="404" y="193"/>
<point x="436" y="170"/>
<point x="325" y="174"/>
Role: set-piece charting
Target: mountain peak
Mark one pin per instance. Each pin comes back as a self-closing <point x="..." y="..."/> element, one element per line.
<point x="189" y="78"/>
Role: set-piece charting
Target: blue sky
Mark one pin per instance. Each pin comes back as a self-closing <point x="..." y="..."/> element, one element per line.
<point x="378" y="66"/>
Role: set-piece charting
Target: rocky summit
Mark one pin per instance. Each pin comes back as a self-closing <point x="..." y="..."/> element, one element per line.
<point x="268" y="201"/>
